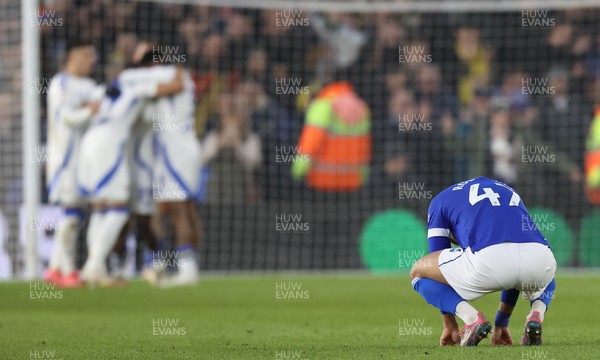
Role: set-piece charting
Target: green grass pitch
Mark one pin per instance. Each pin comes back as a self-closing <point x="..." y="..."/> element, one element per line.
<point x="351" y="316"/>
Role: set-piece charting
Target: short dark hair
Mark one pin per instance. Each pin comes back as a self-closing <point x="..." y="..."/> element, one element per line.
<point x="78" y="42"/>
<point x="147" y="59"/>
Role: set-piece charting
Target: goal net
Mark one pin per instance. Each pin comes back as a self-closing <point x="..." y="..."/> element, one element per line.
<point x="449" y="90"/>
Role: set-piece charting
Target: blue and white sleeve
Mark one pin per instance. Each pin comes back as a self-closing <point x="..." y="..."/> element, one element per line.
<point x="438" y="227"/>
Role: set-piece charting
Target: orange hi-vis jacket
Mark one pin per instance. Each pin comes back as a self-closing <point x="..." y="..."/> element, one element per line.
<point x="592" y="161"/>
<point x="335" y="145"/>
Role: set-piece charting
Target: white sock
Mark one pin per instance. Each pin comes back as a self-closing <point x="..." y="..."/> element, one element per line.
<point x="93" y="238"/>
<point x="64" y="245"/>
<point x="466" y="312"/>
<point x="93" y="226"/>
<point x="540" y="306"/>
<point x="57" y="254"/>
<point x="187" y="262"/>
<point x="111" y="225"/>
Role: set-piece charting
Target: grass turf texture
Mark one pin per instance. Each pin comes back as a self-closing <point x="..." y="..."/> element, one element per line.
<point x="234" y="317"/>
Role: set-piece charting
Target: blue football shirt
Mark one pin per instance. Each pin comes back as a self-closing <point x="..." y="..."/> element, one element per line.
<point x="479" y="213"/>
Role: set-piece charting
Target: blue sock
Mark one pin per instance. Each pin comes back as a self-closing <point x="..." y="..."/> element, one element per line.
<point x="437" y="294"/>
<point x="185" y="248"/>
<point x="548" y="294"/>
<point x="186" y="251"/>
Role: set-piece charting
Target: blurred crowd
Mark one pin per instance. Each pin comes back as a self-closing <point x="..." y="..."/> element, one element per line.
<point x="464" y="89"/>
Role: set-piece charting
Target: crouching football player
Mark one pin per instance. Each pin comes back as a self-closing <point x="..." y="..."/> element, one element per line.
<point x="500" y="249"/>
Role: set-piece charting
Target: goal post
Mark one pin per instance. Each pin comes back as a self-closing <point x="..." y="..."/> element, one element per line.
<point x="31" y="130"/>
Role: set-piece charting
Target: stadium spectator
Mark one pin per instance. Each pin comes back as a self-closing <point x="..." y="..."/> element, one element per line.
<point x="191" y="30"/>
<point x="502" y="147"/>
<point x="384" y="86"/>
<point x="121" y="55"/>
<point x="415" y="54"/>
<point x="396" y="80"/>
<point x="238" y="34"/>
<point x="213" y="78"/>
<point x="556" y="51"/>
<point x="382" y="62"/>
<point x="287" y="57"/>
<point x="408" y="125"/>
<point x="386" y="128"/>
<point x="469" y="138"/>
<point x="389" y="34"/>
<point x="342" y="36"/>
<point x="592" y="60"/>
<point x="582" y="46"/>
<point x="232" y="153"/>
<point x="561" y="122"/>
<point x="256" y="68"/>
<point x="432" y="93"/>
<point x="276" y="130"/>
<point x="474" y="63"/>
<point x="422" y="135"/>
<point x="538" y="158"/>
<point x="511" y="89"/>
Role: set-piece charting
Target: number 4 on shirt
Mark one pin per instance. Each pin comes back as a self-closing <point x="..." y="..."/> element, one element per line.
<point x="488" y="193"/>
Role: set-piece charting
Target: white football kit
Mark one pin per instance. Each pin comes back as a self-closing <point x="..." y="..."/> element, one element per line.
<point x="104" y="169"/>
<point x="67" y="122"/>
<point x="176" y="151"/>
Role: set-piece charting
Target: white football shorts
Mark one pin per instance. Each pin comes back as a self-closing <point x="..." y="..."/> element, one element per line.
<point x="63" y="190"/>
<point x="527" y="267"/>
<point x="176" y="167"/>
<point x="103" y="171"/>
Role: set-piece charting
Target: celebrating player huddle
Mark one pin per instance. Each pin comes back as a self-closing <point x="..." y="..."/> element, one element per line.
<point x="112" y="161"/>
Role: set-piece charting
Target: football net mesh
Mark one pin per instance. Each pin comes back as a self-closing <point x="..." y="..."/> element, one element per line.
<point x="456" y="89"/>
<point x="10" y="134"/>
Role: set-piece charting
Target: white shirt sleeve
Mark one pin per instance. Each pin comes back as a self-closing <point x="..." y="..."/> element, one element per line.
<point x="73" y="109"/>
<point x="156" y="74"/>
<point x="144" y="81"/>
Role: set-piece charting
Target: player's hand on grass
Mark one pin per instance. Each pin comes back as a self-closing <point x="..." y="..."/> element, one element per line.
<point x="450" y="333"/>
<point x="449" y="336"/>
<point x="501" y="336"/>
